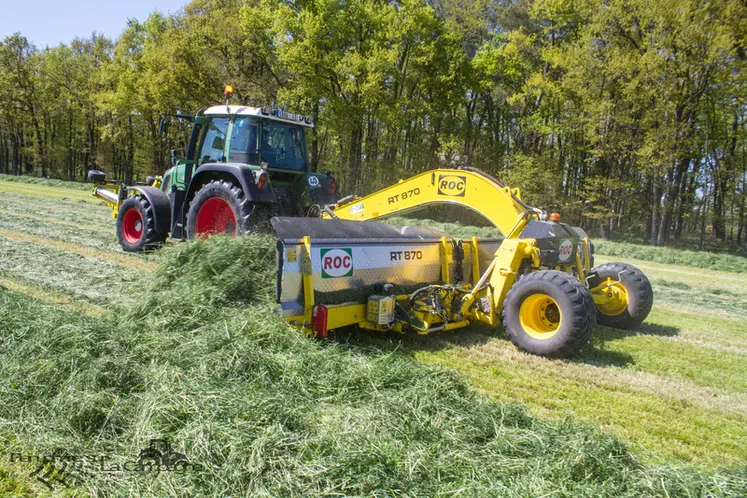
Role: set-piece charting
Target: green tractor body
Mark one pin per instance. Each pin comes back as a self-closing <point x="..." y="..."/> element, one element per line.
<point x="243" y="166"/>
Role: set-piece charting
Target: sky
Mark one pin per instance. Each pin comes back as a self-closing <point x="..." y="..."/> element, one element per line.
<point x="49" y="22"/>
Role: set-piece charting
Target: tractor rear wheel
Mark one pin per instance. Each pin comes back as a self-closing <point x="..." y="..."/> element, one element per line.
<point x="622" y="293"/>
<point x="549" y="313"/>
<point x="136" y="225"/>
<point x="218" y="207"/>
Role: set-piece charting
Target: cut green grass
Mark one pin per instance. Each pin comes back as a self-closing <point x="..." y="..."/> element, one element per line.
<point x="45" y="182"/>
<point x="685" y="324"/>
<point x="50" y="220"/>
<point x="267" y="412"/>
<point x="135" y="262"/>
<point x="455" y="230"/>
<point x="710" y="300"/>
<point x="675" y="399"/>
<point x="57" y="299"/>
<point x="96" y="281"/>
<point x="45" y="192"/>
<point x="70" y="210"/>
<point x="677" y="422"/>
<point x="200" y="359"/>
<point x="713" y="279"/>
<point x="660" y="353"/>
<point x="59" y="231"/>
<point x="698" y="259"/>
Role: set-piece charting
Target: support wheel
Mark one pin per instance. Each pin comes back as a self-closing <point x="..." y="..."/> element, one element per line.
<point x="549" y="313"/>
<point x="622" y="293"/>
<point x="136" y="226"/>
<point x="218" y="207"/>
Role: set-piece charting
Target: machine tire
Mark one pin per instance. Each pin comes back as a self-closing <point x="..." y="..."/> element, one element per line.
<point x="136" y="225"/>
<point x="534" y="326"/>
<point x="640" y="295"/>
<point x="218" y="207"/>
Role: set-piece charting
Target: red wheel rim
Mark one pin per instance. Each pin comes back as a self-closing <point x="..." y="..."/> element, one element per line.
<point x="132" y="226"/>
<point x="215" y="216"/>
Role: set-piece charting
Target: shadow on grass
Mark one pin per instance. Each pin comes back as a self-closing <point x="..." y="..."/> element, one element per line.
<point x="652" y="329"/>
<point x="369" y="342"/>
<point x="593" y="353"/>
<point x="612" y="334"/>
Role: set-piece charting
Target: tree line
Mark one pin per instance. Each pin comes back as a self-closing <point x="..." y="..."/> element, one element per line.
<point x="627" y="116"/>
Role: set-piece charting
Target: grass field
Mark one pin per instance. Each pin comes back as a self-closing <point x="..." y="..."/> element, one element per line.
<point x="93" y="358"/>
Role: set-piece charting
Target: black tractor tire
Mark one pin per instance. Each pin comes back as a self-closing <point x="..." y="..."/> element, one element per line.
<point x="218" y="207"/>
<point x="640" y="295"/>
<point x="569" y="309"/>
<point x="136" y="229"/>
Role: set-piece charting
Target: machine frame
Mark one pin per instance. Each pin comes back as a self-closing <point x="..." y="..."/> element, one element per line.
<point x="531" y="245"/>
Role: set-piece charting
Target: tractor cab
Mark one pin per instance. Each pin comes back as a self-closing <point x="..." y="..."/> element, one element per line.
<point x="247" y="135"/>
<point x="268" y="146"/>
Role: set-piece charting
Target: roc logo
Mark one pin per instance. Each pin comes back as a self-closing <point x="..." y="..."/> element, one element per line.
<point x="451" y="185"/>
<point x="337" y="263"/>
<point x="565" y="251"/>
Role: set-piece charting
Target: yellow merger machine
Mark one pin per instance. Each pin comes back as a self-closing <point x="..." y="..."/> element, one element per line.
<point x="341" y="269"/>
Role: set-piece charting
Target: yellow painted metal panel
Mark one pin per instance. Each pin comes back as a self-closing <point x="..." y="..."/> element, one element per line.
<point x="442" y="186"/>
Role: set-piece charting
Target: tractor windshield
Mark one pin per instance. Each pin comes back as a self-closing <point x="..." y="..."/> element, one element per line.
<point x="250" y="140"/>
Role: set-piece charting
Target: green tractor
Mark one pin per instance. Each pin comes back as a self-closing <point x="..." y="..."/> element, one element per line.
<point x="244" y="165"/>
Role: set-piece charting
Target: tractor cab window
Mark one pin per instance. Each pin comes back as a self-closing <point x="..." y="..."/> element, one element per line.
<point x="244" y="138"/>
<point x="283" y="146"/>
<point x="214" y="141"/>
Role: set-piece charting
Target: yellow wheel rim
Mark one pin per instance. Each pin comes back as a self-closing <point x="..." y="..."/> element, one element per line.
<point x="610" y="297"/>
<point x="540" y="316"/>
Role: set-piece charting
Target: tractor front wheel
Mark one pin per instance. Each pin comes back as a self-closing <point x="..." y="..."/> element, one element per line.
<point x="622" y="293"/>
<point x="136" y="225"/>
<point x="218" y="207"/>
<point x="549" y="313"/>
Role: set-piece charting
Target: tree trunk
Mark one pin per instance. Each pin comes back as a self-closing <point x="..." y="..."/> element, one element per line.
<point x="130" y="153"/>
<point x="354" y="159"/>
<point x="314" y="166"/>
<point x="656" y="192"/>
<point x="39" y="145"/>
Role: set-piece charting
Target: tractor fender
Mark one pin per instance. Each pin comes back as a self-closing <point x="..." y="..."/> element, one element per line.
<point x="159" y="201"/>
<point x="235" y="173"/>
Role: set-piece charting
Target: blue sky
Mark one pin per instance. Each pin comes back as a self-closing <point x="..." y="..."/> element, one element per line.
<point x="49" y="22"/>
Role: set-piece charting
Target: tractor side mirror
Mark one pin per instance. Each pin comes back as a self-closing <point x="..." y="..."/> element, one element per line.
<point x="173" y="156"/>
<point x="163" y="127"/>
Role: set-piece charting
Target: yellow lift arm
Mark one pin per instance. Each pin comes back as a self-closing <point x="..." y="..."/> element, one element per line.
<point x="467" y="187"/>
